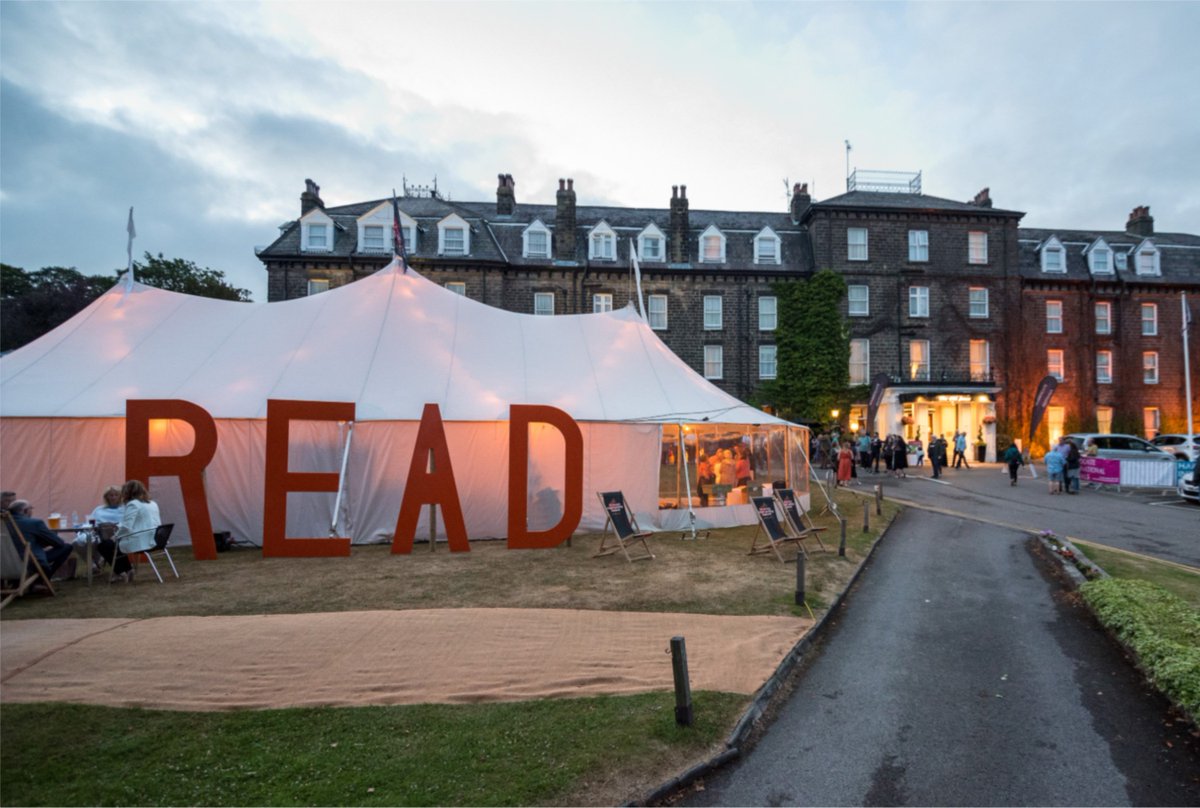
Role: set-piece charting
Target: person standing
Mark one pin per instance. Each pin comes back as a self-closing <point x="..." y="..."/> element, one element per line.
<point x="960" y="450"/>
<point x="876" y="450"/>
<point x="1012" y="456"/>
<point x="935" y="458"/>
<point x="864" y="450"/>
<point x="1072" y="475"/>
<point x="1055" y="463"/>
<point x="845" y="465"/>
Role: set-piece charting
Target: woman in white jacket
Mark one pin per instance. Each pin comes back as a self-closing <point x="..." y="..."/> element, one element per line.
<point x="136" y="532"/>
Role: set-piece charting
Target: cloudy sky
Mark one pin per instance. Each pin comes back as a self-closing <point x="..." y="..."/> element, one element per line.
<point x="208" y="117"/>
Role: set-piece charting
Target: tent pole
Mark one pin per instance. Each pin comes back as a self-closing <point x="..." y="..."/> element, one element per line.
<point x="687" y="477"/>
<point x="337" y="502"/>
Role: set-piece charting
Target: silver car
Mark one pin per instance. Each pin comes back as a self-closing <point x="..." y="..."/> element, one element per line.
<point x="1189" y="487"/>
<point x="1121" y="447"/>
<point x="1178" y="445"/>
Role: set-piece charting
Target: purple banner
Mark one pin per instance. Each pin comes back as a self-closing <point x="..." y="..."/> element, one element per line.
<point x="1045" y="391"/>
<point x="1100" y="470"/>
<point x="878" y="384"/>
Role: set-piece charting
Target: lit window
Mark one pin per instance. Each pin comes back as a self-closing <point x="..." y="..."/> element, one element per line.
<point x="918" y="360"/>
<point x="714" y="366"/>
<point x="1104" y="420"/>
<point x="918" y="301"/>
<point x="918" y="245"/>
<point x="767" y="316"/>
<point x="766" y="362"/>
<point x="1151" y="422"/>
<point x="1150" y="367"/>
<point x="1104" y="367"/>
<point x="317" y="285"/>
<point x="766" y="247"/>
<point x="457" y="287"/>
<point x="601" y="302"/>
<point x="977" y="247"/>
<point x="978" y="299"/>
<point x="712" y="246"/>
<point x="658" y="312"/>
<point x="1054" y="317"/>
<point x="373" y="240"/>
<point x="860" y="300"/>
<point x="712" y="312"/>
<point x="860" y="361"/>
<point x="981" y="360"/>
<point x="454" y="241"/>
<point x="1104" y="318"/>
<point x="543" y="303"/>
<point x="1054" y="363"/>
<point x="856" y="244"/>
<point x="1149" y="319"/>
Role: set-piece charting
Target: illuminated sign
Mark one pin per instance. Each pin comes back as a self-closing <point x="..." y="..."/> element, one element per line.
<point x="955" y="398"/>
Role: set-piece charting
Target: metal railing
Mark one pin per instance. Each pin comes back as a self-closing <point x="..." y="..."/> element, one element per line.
<point x="888" y="182"/>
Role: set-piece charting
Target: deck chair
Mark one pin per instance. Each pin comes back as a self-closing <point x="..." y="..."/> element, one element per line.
<point x="19" y="568"/>
<point x="162" y="535"/>
<point x="769" y="527"/>
<point x="625" y="528"/>
<point x="798" y="519"/>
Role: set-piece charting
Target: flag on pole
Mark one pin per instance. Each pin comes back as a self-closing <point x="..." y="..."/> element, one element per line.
<point x="132" y="231"/>
<point x="398" y="234"/>
<point x="637" y="276"/>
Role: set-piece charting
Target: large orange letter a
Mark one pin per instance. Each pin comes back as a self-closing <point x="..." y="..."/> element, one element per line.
<point x="435" y="487"/>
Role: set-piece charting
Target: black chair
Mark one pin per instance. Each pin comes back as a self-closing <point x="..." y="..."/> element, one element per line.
<point x="624" y="525"/>
<point x="768" y="525"/>
<point x="162" y="535"/>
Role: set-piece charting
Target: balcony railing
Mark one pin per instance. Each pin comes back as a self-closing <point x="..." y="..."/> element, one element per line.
<point x="887" y="182"/>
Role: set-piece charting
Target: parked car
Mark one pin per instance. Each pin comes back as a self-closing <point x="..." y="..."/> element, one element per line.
<point x="1121" y="447"/>
<point x="1178" y="446"/>
<point x="1189" y="487"/>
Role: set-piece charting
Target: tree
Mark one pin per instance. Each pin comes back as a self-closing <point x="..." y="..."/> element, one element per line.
<point x="33" y="303"/>
<point x="813" y="349"/>
<point x="180" y="275"/>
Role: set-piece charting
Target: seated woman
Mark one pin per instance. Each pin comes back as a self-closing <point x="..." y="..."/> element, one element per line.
<point x="135" y="534"/>
<point x="110" y="510"/>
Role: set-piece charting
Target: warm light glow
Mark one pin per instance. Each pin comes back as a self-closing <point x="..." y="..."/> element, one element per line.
<point x="158" y="426"/>
<point x="835" y="413"/>
<point x="982" y="399"/>
<point x="854" y="426"/>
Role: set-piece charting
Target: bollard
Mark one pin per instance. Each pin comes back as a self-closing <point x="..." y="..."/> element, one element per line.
<point x="866" y="517"/>
<point x="683" y="688"/>
<point x="800" y="578"/>
<point x="842" y="544"/>
<point x="879" y="499"/>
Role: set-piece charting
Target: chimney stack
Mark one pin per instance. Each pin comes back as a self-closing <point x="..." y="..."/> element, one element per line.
<point x="678" y="237"/>
<point x="800" y="201"/>
<point x="1140" y="223"/>
<point x="983" y="199"/>
<point x="311" y="198"/>
<point x="564" y="221"/>
<point x="506" y="195"/>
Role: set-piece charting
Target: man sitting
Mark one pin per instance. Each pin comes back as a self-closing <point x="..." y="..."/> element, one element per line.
<point x="50" y="551"/>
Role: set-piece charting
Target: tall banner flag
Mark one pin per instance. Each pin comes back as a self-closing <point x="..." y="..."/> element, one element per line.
<point x="398" y="250"/>
<point x="132" y="231"/>
<point x="1045" y="391"/>
<point x="637" y="275"/>
<point x="878" y="384"/>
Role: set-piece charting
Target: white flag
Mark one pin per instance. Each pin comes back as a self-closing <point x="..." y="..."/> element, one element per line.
<point x="132" y="231"/>
<point x="637" y="275"/>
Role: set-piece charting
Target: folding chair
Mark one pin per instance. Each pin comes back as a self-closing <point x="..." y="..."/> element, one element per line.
<point x="625" y="528"/>
<point x="798" y="519"/>
<point x="768" y="525"/>
<point x="19" y="567"/>
<point x="162" y="535"/>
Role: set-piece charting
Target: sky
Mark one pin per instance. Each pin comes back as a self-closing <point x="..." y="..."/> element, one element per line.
<point x="207" y="117"/>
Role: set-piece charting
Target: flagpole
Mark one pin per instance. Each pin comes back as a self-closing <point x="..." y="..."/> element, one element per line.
<point x="132" y="231"/>
<point x="1187" y="376"/>
<point x="637" y="275"/>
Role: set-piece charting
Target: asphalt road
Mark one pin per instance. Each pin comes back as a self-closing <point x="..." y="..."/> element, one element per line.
<point x="961" y="674"/>
<point x="1145" y="522"/>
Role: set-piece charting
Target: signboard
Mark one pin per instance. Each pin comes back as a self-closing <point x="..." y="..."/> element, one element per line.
<point x="1100" y="470"/>
<point x="1045" y="391"/>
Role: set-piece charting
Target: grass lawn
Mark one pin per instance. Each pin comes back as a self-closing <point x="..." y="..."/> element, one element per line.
<point x="565" y="751"/>
<point x="1172" y="577"/>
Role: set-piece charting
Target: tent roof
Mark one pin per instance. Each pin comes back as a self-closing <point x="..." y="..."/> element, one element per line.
<point x="391" y="343"/>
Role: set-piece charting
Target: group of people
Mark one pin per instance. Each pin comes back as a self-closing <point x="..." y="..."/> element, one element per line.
<point x="1062" y="467"/>
<point x="726" y="467"/>
<point x="129" y="511"/>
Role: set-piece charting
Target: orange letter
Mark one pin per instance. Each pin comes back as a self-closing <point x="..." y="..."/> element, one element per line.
<point x="279" y="481"/>
<point x="189" y="468"/>
<point x="435" y="487"/>
<point x="520" y="416"/>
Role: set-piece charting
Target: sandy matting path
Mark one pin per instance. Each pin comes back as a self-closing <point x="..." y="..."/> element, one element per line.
<point x="381" y="657"/>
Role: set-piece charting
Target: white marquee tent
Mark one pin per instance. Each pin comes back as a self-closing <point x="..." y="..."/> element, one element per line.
<point x="390" y="343"/>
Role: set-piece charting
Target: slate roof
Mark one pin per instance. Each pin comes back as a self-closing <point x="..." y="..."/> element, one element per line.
<point x="1179" y="255"/>
<point x="878" y="199"/>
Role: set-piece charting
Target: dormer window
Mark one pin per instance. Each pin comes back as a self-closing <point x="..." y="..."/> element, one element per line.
<point x="602" y="243"/>
<point x="316" y="232"/>
<point x="1122" y="260"/>
<point x="766" y="247"/>
<point x="712" y="246"/>
<point x="1054" y="257"/>
<point x="373" y="239"/>
<point x="454" y="236"/>
<point x="535" y="240"/>
<point x="652" y="244"/>
<point x="1145" y="259"/>
<point x="1100" y="258"/>
<point x="375" y="230"/>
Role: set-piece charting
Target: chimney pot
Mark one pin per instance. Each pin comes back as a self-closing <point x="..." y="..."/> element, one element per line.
<point x="678" y="236"/>
<point x="562" y="184"/>
<point x="506" y="197"/>
<point x="683" y="191"/>
<point x="570" y="184"/>
<point x="311" y="198"/>
<point x="1140" y="223"/>
<point x="674" y="191"/>
<point x="564" y="222"/>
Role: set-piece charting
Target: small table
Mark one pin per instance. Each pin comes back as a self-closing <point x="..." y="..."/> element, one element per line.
<point x="88" y="534"/>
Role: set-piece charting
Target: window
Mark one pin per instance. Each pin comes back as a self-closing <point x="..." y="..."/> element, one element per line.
<point x="860" y="361"/>
<point x="457" y="287"/>
<point x="1104" y="419"/>
<point x="766" y="247"/>
<point x="981" y="360"/>
<point x="1122" y="260"/>
<point x="918" y="301"/>
<point x="766" y="362"/>
<point x="658" y="312"/>
<point x="1150" y="367"/>
<point x="860" y="300"/>
<point x="543" y="303"/>
<point x="454" y="242"/>
<point x="536" y="240"/>
<point x="454" y="236"/>
<point x="1104" y="318"/>
<point x="652" y="244"/>
<point x="1149" y="319"/>
<point x="713" y="362"/>
<point x="1146" y="258"/>
<point x="1054" y="317"/>
<point x="1104" y="367"/>
<point x="317" y="285"/>
<point x="1055" y="418"/>
<point x="918" y="245"/>
<point x="978" y="299"/>
<point x="318" y="237"/>
<point x="1054" y="257"/>
<point x="373" y="240"/>
<point x="712" y="312"/>
<point x="856" y="244"/>
<point x="1100" y="258"/>
<point x="603" y="246"/>
<point x="1151" y="422"/>
<point x="767" y="317"/>
<point x="1054" y="363"/>
<point x="712" y="246"/>
<point x="977" y="247"/>
<point x="918" y="360"/>
<point x="601" y="302"/>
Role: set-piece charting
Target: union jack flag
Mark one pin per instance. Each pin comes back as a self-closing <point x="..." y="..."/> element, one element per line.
<point x="398" y="234"/>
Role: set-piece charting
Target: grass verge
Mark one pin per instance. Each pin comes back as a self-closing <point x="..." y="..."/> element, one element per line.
<point x="1174" y="578"/>
<point x="1161" y="629"/>
<point x="560" y="752"/>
